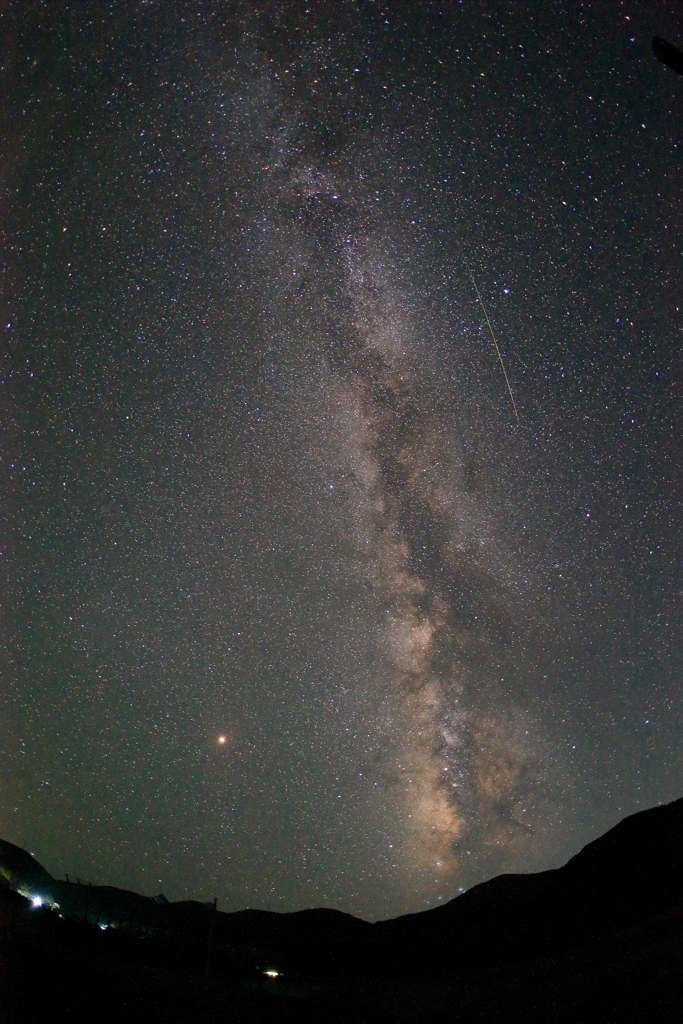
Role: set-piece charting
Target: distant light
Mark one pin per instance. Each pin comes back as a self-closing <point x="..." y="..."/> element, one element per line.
<point x="221" y="739"/>
<point x="103" y="927"/>
<point x="272" y="974"/>
<point x="36" y="901"/>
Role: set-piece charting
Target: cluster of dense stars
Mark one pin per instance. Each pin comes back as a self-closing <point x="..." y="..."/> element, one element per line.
<point x="296" y="611"/>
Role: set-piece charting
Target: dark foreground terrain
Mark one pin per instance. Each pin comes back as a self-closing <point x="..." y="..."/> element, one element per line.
<point x="600" y="939"/>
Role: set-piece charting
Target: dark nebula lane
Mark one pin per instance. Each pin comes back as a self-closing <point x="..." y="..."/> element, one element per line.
<point x="297" y="610"/>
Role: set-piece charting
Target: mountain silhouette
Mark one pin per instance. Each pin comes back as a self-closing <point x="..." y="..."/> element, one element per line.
<point x="632" y="873"/>
<point x="601" y="935"/>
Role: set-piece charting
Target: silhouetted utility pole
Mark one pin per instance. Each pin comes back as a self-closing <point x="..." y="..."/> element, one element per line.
<point x="88" y="899"/>
<point x="209" y="943"/>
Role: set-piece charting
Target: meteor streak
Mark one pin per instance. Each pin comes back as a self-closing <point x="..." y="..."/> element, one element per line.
<point x="490" y="327"/>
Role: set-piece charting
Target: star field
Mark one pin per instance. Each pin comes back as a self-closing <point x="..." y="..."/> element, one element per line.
<point x="296" y="611"/>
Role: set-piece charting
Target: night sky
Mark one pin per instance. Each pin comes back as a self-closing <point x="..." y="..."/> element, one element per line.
<point x="295" y="610"/>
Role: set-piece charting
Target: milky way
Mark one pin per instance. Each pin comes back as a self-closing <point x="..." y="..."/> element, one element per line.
<point x="464" y="767"/>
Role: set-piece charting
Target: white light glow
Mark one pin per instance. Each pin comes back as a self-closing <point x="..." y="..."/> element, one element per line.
<point x="36" y="901"/>
<point x="272" y="974"/>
